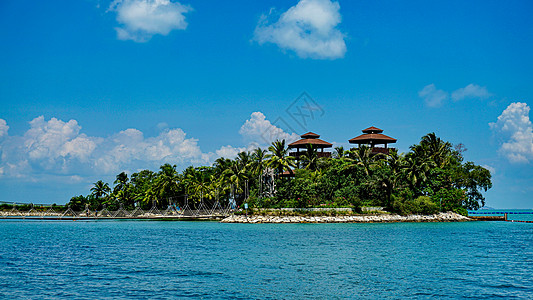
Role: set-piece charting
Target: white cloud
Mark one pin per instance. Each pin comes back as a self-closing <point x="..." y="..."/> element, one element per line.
<point x="3" y="128"/>
<point x="308" y="28"/>
<point x="58" y="149"/>
<point x="432" y="96"/>
<point x="229" y="151"/>
<point x="471" y="91"/>
<point x="491" y="169"/>
<point x="141" y="19"/>
<point x="50" y="144"/>
<point x="258" y="130"/>
<point x="129" y="149"/>
<point x="515" y="129"/>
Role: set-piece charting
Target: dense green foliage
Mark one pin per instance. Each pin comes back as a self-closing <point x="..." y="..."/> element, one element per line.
<point x="431" y="177"/>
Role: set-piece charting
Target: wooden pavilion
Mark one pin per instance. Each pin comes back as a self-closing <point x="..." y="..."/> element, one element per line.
<point x="373" y="136"/>
<point x="310" y="139"/>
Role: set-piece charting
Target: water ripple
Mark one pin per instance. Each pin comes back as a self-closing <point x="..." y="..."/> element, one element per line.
<point x="161" y="260"/>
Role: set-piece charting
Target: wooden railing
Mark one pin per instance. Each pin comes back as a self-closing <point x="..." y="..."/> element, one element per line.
<point x="381" y="150"/>
<point x="319" y="154"/>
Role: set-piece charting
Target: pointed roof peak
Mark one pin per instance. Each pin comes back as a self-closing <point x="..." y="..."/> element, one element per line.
<point x="372" y="129"/>
<point x="310" y="138"/>
<point x="310" y="135"/>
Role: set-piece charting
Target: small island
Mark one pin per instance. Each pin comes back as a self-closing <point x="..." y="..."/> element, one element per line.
<point x="305" y="181"/>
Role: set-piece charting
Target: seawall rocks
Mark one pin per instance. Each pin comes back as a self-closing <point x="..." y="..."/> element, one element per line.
<point x="380" y="218"/>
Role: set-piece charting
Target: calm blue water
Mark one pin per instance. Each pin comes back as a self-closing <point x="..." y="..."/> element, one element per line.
<point x="149" y="259"/>
<point x="512" y="214"/>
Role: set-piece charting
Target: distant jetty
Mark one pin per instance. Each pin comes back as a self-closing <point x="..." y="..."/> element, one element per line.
<point x="377" y="218"/>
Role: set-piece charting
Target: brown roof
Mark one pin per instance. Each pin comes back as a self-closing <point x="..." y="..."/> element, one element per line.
<point x="310" y="135"/>
<point x="374" y="138"/>
<point x="372" y="129"/>
<point x="318" y="143"/>
<point x="288" y="174"/>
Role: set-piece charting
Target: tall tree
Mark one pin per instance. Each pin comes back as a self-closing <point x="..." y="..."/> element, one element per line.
<point x="220" y="165"/>
<point x="257" y="166"/>
<point x="278" y="158"/>
<point x="122" y="191"/>
<point x="100" y="189"/>
<point x="416" y="168"/>
<point x="120" y="182"/>
<point x="235" y="178"/>
<point x="141" y="183"/>
<point x="258" y="162"/>
<point x="363" y="157"/>
<point x="198" y="182"/>
<point x="310" y="158"/>
<point x="473" y="179"/>
<point x="391" y="173"/>
<point x="437" y="150"/>
<point x="166" y="184"/>
<point x="339" y="152"/>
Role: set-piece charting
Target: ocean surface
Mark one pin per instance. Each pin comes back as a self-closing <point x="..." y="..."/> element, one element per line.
<point x="160" y="260"/>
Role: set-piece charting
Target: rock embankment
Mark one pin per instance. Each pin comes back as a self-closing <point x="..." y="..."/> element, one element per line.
<point x="380" y="218"/>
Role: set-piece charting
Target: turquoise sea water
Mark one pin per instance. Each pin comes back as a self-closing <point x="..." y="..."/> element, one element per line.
<point x="160" y="260"/>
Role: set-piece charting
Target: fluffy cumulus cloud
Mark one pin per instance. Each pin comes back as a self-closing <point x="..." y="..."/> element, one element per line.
<point x="130" y="149"/>
<point x="229" y="151"/>
<point x="52" y="142"/>
<point x="256" y="132"/>
<point x="3" y="128"/>
<point x="141" y="19"/>
<point x="309" y="29"/>
<point x="471" y="91"/>
<point x="432" y="96"/>
<point x="260" y="131"/>
<point x="58" y="148"/>
<point x="515" y="131"/>
<point x="52" y="146"/>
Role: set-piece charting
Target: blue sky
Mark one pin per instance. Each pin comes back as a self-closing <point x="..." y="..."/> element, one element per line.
<point x="92" y="88"/>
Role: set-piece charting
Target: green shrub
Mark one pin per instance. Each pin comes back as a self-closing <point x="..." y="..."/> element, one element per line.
<point x="5" y="206"/>
<point x="421" y="206"/>
<point x="461" y="211"/>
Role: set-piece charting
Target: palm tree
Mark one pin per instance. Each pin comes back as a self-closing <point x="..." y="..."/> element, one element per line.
<point x="198" y="181"/>
<point x="257" y="166"/>
<point x="278" y="158"/>
<point x="235" y="177"/>
<point x="310" y="158"/>
<point x="140" y="183"/>
<point x="100" y="189"/>
<point x="436" y="149"/>
<point x="220" y="165"/>
<point x="166" y="183"/>
<point x="362" y="156"/>
<point x="258" y="162"/>
<point x="339" y="152"/>
<point x="416" y="167"/>
<point x="395" y="164"/>
<point x="120" y="182"/>
<point x="122" y="190"/>
<point x="150" y="196"/>
<point x="244" y="158"/>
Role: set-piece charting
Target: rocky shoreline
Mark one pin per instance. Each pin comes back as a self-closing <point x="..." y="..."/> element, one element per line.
<point x="377" y="218"/>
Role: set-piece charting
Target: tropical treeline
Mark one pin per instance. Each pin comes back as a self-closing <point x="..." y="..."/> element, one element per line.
<point x="432" y="176"/>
